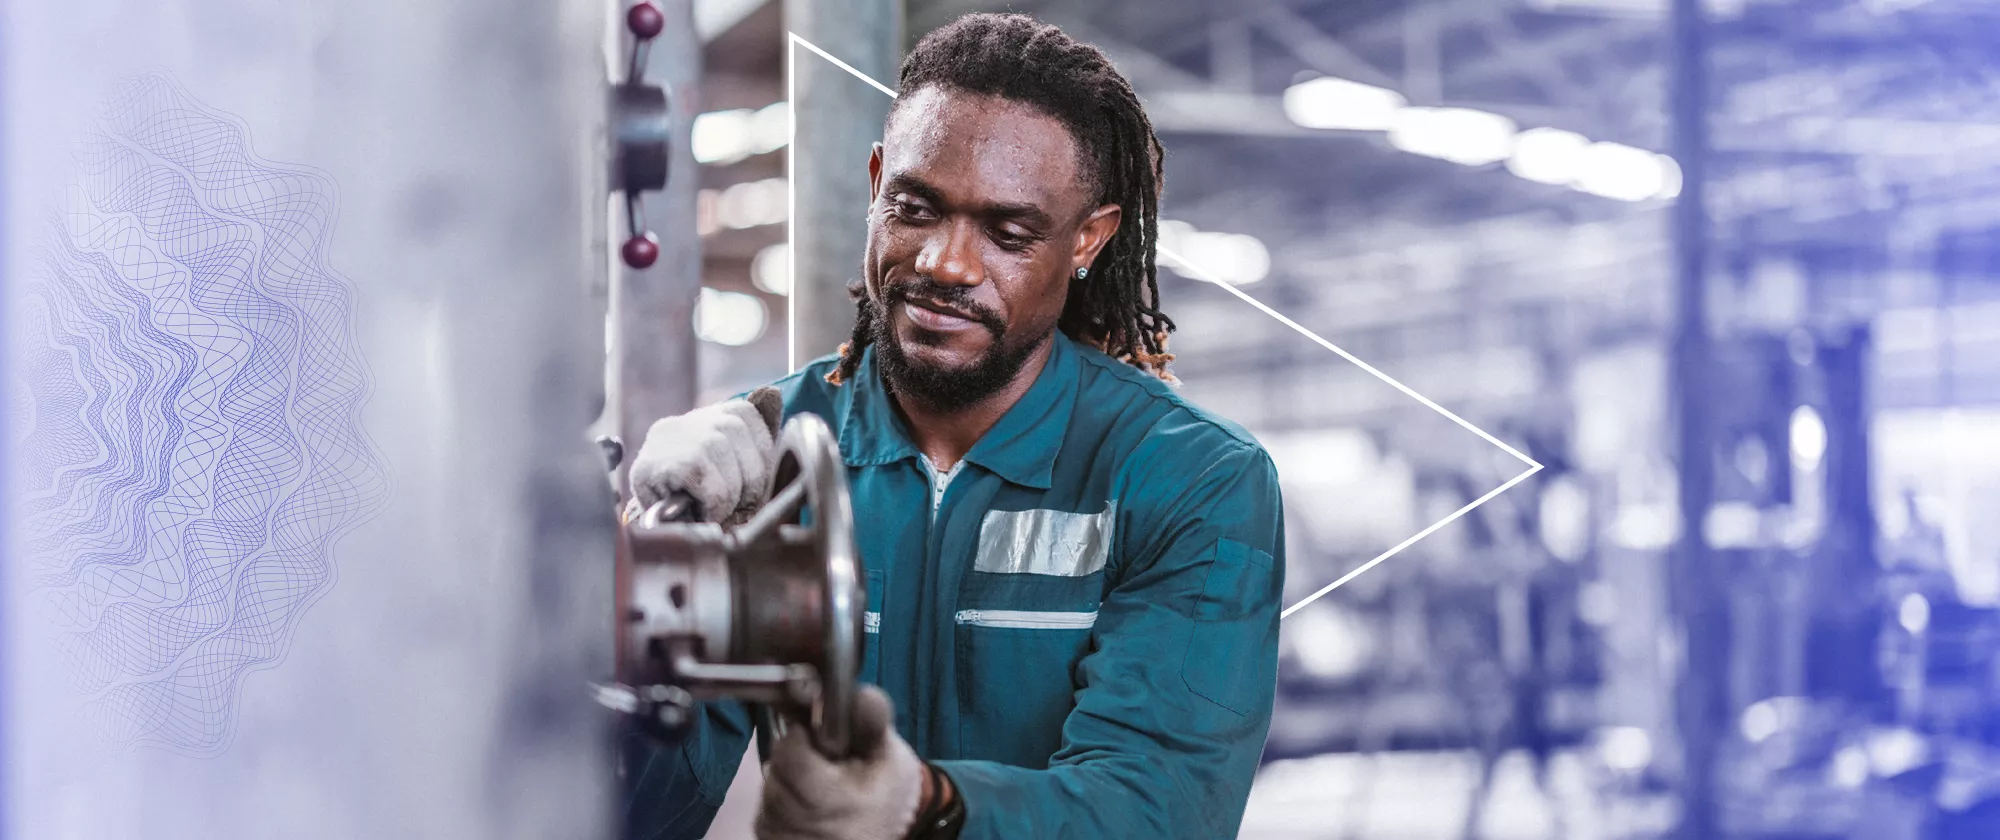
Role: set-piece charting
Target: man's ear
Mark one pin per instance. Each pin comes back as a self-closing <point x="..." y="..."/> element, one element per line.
<point x="1095" y="232"/>
<point x="874" y="173"/>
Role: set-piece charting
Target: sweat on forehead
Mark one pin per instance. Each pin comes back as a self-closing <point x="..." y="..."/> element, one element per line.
<point x="939" y="118"/>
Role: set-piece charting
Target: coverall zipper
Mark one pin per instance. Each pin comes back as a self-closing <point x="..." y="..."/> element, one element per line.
<point x="1027" y="619"/>
<point x="939" y="486"/>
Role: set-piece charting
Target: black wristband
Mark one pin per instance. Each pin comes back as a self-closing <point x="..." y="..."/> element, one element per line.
<point x="941" y="821"/>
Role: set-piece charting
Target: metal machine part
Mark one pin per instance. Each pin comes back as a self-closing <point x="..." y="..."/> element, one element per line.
<point x="769" y="612"/>
<point x="641" y="129"/>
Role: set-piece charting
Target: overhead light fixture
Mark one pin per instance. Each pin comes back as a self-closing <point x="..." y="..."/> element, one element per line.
<point x="770" y="128"/>
<point x="731" y="319"/>
<point x="721" y="136"/>
<point x="1889" y="7"/>
<point x="1461" y="135"/>
<point x="1608" y="170"/>
<point x="1548" y="155"/>
<point x="1850" y="767"/>
<point x="1614" y="170"/>
<point x="1914" y="613"/>
<point x="1760" y="722"/>
<point x="771" y="269"/>
<point x="1643" y="9"/>
<point x="725" y="137"/>
<point x="1670" y="177"/>
<point x="1331" y="103"/>
<point x="1237" y="259"/>
<point x="1626" y="748"/>
<point x="752" y="204"/>
<point x="1472" y="137"/>
<point x="1808" y="438"/>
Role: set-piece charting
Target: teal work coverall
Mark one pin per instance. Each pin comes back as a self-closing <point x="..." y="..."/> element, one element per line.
<point x="1079" y="624"/>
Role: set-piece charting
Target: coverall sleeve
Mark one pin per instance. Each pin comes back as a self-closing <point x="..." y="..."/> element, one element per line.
<point x="673" y="791"/>
<point x="1173" y="701"/>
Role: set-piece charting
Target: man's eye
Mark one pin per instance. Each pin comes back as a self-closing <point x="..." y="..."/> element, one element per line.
<point x="1012" y="240"/>
<point x="909" y="210"/>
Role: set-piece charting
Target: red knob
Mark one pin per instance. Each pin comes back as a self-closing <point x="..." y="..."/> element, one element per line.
<point x="645" y="20"/>
<point x="641" y="251"/>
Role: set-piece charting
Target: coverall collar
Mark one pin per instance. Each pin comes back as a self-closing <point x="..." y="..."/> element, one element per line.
<point x="1020" y="448"/>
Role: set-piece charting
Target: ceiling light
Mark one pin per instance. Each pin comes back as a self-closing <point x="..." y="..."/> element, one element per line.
<point x="771" y="269"/>
<point x="1461" y="135"/>
<point x="1548" y="155"/>
<point x="731" y="319"/>
<point x="1332" y="103"/>
<point x="1614" y="170"/>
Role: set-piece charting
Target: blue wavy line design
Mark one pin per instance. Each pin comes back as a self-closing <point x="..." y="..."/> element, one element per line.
<point x="188" y="422"/>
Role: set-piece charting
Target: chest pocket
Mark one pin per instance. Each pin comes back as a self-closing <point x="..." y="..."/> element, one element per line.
<point x="1027" y="609"/>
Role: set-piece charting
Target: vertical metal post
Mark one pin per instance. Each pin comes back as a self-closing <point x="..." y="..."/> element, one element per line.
<point x="653" y="366"/>
<point x="837" y="118"/>
<point x="1697" y="598"/>
<point x="1845" y="583"/>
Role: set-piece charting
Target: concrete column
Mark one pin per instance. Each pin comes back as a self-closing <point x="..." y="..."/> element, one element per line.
<point x="836" y="120"/>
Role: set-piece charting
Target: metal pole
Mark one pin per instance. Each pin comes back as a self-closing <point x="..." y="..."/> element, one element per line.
<point x="837" y="118"/>
<point x="1696" y="596"/>
<point x="1844" y="588"/>
<point x="652" y="310"/>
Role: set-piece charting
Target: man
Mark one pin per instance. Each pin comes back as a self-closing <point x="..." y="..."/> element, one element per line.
<point x="1073" y="574"/>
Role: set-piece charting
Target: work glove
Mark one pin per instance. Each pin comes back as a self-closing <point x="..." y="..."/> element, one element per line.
<point x="871" y="795"/>
<point x="722" y="455"/>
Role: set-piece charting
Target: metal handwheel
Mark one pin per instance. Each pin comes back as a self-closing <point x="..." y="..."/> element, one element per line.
<point x="769" y="612"/>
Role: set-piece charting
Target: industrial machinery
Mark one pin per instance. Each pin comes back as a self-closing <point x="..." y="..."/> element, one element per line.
<point x="768" y="612"/>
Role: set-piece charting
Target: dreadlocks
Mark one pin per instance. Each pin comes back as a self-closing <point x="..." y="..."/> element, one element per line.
<point x="1116" y="309"/>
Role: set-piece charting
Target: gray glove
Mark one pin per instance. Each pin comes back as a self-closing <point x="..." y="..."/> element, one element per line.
<point x="722" y="455"/>
<point x="872" y="795"/>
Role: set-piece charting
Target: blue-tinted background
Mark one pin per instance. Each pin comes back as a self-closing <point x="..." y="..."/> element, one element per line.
<point x="1753" y="593"/>
<point x="1565" y="661"/>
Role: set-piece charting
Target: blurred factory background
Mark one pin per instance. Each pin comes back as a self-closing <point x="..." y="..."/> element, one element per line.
<point x="1789" y="632"/>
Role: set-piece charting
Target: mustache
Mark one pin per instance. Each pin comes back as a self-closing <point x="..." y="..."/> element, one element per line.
<point x="958" y="298"/>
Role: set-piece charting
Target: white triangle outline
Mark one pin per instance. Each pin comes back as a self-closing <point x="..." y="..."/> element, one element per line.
<point x="1201" y="273"/>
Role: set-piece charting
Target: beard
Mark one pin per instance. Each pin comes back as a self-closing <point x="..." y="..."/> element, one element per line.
<point x="943" y="387"/>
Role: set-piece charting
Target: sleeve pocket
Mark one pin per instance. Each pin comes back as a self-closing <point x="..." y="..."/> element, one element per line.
<point x="1224" y="661"/>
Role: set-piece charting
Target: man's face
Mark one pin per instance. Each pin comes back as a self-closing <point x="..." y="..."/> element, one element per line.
<point x="980" y="217"/>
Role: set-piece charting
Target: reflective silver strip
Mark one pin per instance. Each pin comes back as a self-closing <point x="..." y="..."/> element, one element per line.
<point x="1027" y="619"/>
<point x="1044" y="542"/>
<point x="871" y="622"/>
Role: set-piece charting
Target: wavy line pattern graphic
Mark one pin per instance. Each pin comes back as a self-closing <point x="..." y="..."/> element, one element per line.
<point x="187" y="421"/>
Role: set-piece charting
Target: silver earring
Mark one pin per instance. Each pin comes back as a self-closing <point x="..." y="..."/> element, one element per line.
<point x="1082" y="273"/>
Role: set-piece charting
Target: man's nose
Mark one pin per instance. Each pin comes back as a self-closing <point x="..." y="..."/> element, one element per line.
<point x="951" y="256"/>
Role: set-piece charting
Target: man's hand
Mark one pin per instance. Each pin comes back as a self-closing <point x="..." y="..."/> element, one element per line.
<point x="872" y="795"/>
<point x="722" y="455"/>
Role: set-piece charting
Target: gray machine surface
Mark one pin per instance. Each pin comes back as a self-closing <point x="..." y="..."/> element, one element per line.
<point x="403" y="208"/>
